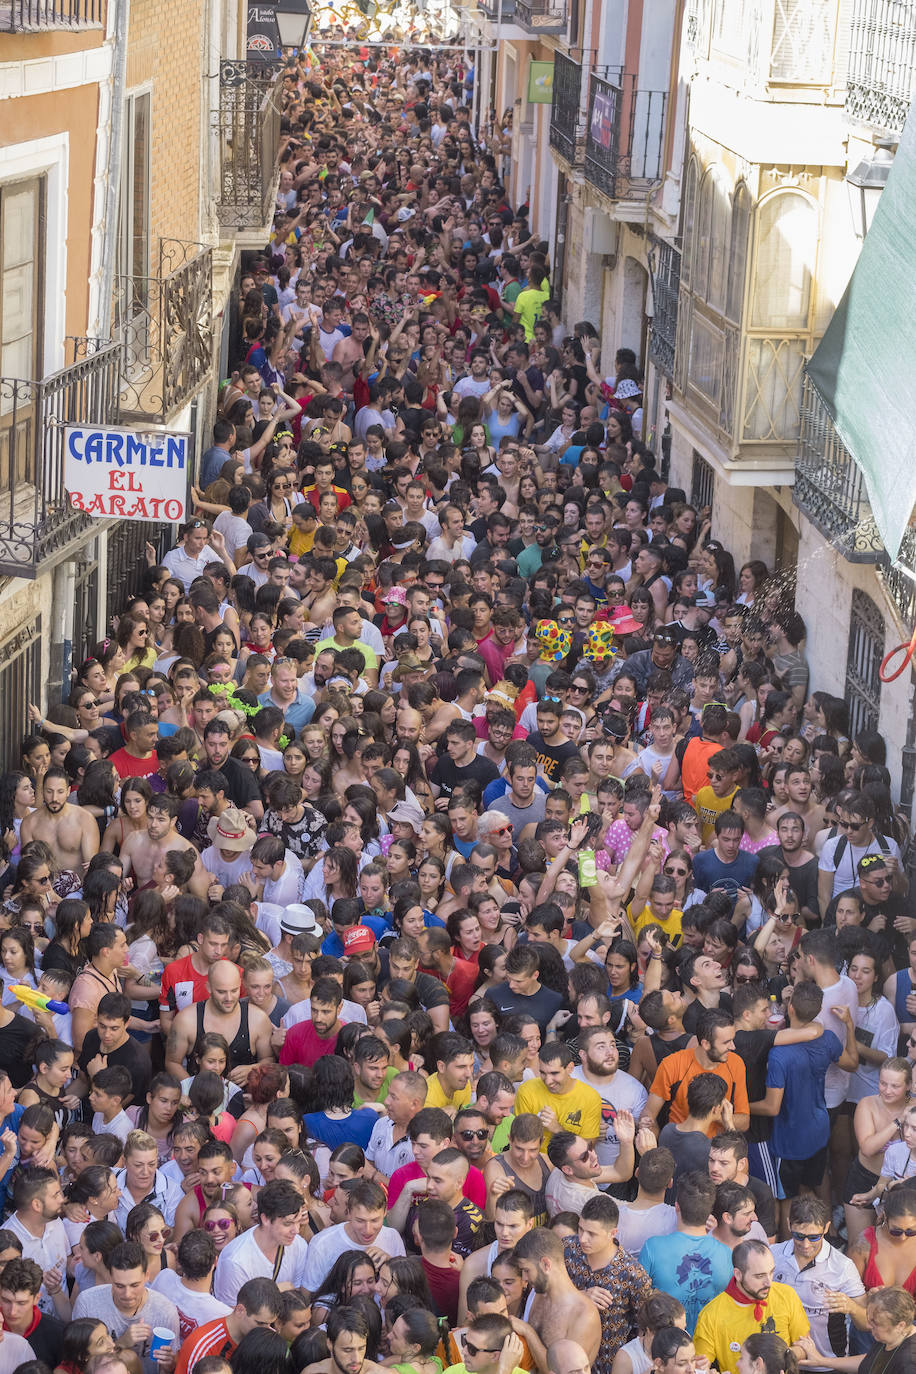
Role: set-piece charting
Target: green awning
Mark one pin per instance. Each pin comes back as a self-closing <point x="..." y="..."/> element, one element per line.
<point x="865" y="366"/>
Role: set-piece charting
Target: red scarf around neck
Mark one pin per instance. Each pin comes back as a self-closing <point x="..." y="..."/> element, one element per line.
<point x="735" y="1293"/>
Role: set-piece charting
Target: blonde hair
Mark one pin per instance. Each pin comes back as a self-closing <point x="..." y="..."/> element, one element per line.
<point x="139" y="1140"/>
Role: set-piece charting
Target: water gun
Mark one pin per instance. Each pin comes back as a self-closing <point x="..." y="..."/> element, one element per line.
<point x="37" y="1000"/>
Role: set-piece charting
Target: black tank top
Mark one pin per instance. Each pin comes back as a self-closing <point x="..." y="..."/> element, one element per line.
<point x="62" y="1115"/>
<point x="662" y="1048"/>
<point x="537" y="1195"/>
<point x="240" y="1046"/>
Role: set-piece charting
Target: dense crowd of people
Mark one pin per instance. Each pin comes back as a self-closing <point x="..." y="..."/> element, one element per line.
<point x="443" y="930"/>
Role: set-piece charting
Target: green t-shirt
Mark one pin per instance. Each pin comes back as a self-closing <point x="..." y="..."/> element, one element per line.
<point x="528" y="307"/>
<point x="382" y="1092"/>
<point x="501" y="1135"/>
<point x="370" y="657"/>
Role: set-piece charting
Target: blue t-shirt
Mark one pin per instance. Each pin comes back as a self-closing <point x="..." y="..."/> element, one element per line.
<point x="709" y="871"/>
<point x="693" y="1269"/>
<point x="500" y="786"/>
<point x="10" y="1123"/>
<point x="802" y="1126"/>
<point x="332" y="944"/>
<point x="331" y="1131"/>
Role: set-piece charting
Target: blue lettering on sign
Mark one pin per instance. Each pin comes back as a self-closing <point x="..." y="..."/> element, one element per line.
<point x="127" y="450"/>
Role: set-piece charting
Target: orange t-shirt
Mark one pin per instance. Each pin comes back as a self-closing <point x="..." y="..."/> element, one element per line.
<point x="676" y="1071"/>
<point x="695" y="767"/>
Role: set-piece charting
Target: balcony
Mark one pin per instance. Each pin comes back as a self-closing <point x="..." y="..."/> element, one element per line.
<point x="829" y="486"/>
<point x="542" y="16"/>
<point x="33" y="16"/>
<point x="248" y="129"/>
<point x="624" y="138"/>
<point x="36" y="519"/>
<point x="163" y="327"/>
<point x="665" y="273"/>
<point x="882" y="63"/>
<point x="567" y="124"/>
<point x="497" y="11"/>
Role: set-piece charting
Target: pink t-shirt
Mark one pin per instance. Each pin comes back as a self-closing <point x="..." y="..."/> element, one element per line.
<point x="474" y="1187"/>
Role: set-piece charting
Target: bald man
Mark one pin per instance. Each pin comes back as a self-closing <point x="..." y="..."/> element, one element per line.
<point x="246" y="1029"/>
<point x="567" y="1357"/>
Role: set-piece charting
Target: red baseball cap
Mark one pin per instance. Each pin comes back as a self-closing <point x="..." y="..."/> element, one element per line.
<point x="358" y="940"/>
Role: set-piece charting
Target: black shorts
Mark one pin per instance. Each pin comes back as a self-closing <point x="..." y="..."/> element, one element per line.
<point x="795" y="1174"/>
<point x="858" y="1180"/>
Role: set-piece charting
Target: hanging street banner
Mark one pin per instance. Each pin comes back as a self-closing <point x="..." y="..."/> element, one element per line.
<point x="127" y="474"/>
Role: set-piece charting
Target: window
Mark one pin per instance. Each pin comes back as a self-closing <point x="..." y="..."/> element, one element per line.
<point x="710" y="259"/>
<point x="133" y="248"/>
<point x="702" y="483"/>
<point x="786" y="252"/>
<point x="689" y="210"/>
<point x="20" y="681"/>
<point x="863" y="661"/>
<point x="737" y="255"/>
<point x="22" y="277"/>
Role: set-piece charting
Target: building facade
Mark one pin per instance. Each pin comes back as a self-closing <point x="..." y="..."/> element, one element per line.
<point x="138" y="155"/>
<point x="708" y="215"/>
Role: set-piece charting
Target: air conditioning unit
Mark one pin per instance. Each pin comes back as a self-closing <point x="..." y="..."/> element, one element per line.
<point x="600" y="233"/>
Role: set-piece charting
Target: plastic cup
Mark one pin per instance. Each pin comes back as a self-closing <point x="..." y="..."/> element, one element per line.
<point x="162" y="1337"/>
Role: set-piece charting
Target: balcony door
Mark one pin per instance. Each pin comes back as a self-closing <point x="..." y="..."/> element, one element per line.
<point x="132" y="276"/>
<point x="22" y="290"/>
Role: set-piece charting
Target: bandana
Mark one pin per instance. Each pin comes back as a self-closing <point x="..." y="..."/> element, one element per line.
<point x="734" y="1292"/>
<point x="599" y="642"/>
<point x="556" y="643"/>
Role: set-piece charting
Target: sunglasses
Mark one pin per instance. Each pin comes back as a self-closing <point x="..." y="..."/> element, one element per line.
<point x="898" y="1231"/>
<point x="218" y="1225"/>
<point x="878" y="882"/>
<point x="474" y="1135"/>
<point x="578" y="687"/>
<point x="158" y="1235"/>
<point x="746" y="978"/>
<point x="678" y="872"/>
<point x="475" y="1350"/>
<point x="90" y="705"/>
<point x="802" y="1237"/>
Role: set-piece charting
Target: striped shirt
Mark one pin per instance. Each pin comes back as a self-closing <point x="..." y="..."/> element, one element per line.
<point x="210" y="1339"/>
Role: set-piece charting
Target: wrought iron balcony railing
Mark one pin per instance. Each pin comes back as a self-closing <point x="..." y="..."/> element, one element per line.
<point x="503" y="10"/>
<point x="542" y="16"/>
<point x="882" y="63"/>
<point x="829" y="486"/>
<point x="248" y="128"/>
<point x="163" y="327"/>
<point x="624" y="137"/>
<point x="567" y="123"/>
<point x="36" y="518"/>
<point x="665" y="271"/>
<point x="31" y="16"/>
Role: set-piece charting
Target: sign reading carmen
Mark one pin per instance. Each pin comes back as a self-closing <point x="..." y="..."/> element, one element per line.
<point x="126" y="474"/>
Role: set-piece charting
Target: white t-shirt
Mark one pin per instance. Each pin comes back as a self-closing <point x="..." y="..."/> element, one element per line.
<point x="243" y="1259"/>
<point x="382" y="1154"/>
<point x="49" y="1251"/>
<point x="14" y="1352"/>
<point x="225" y="872"/>
<point x="193" y="1308"/>
<point x="842" y="992"/>
<point x="329" y="1245"/>
<point x="624" y="1094"/>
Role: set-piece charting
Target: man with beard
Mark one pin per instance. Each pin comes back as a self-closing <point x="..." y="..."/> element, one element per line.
<point x="599" y="1068"/>
<point x="246" y="1029"/>
<point x="713" y="1053"/>
<point x="751" y="1302"/>
<point x="39" y="1203"/>
<point x="544" y="548"/>
<point x="70" y="832"/>
<point x="559" y="1311"/>
<point x="348" y="1338"/>
<point x="216" y="1167"/>
<point x="144" y="850"/>
<point x="472" y="1136"/>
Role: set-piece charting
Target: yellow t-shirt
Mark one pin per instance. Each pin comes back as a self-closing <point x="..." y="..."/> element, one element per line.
<point x="708" y="806"/>
<point x="671" y="925"/>
<point x="435" y="1095"/>
<point x="724" y="1325"/>
<point x="299" y="542"/>
<point x="578" y="1110"/>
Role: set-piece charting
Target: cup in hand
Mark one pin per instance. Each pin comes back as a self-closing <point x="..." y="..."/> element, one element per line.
<point x="162" y="1337"/>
